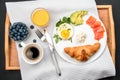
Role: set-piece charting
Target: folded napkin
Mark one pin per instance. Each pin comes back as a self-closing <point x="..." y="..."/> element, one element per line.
<point x="45" y="70"/>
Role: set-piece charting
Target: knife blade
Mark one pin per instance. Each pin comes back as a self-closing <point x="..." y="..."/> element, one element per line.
<point x="51" y="46"/>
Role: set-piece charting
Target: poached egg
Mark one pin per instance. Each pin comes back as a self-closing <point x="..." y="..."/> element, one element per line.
<point x="65" y="31"/>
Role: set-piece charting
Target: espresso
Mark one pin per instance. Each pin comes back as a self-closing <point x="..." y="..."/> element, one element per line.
<point x="32" y="53"/>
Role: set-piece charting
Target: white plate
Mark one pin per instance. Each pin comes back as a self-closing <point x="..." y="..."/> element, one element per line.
<point x="89" y="40"/>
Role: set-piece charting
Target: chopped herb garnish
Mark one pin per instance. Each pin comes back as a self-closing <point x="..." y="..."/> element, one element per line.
<point x="64" y="20"/>
<point x="69" y="29"/>
<point x="70" y="39"/>
<point x="59" y="23"/>
<point x="57" y="38"/>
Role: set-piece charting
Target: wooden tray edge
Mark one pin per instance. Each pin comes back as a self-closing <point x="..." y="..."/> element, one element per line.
<point x="7" y="23"/>
<point x="7" y="66"/>
<point x="112" y="29"/>
<point x="113" y="34"/>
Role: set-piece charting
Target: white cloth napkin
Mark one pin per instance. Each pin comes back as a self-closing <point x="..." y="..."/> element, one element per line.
<point x="45" y="70"/>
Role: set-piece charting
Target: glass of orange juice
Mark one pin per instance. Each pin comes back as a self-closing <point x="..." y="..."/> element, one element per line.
<point x="40" y="17"/>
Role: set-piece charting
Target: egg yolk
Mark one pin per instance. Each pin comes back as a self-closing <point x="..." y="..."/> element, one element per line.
<point x="65" y="34"/>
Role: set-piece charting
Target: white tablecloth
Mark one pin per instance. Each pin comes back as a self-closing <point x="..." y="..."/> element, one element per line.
<point x="45" y="70"/>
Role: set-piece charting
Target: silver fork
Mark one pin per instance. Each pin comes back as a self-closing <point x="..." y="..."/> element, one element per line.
<point x="43" y="38"/>
<point x="40" y="35"/>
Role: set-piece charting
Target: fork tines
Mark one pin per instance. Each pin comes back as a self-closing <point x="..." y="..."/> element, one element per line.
<point x="39" y="34"/>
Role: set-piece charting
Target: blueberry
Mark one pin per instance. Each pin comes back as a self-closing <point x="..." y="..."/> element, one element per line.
<point x="18" y="26"/>
<point x="34" y="40"/>
<point x="18" y="37"/>
<point x="17" y="29"/>
<point x="13" y="30"/>
<point x="20" y="30"/>
<point x="18" y="34"/>
<point x="15" y="38"/>
<point x="11" y="33"/>
<point x="24" y="36"/>
<point x="32" y="27"/>
<point x="15" y="35"/>
<point x="22" y="39"/>
<point x="24" y="30"/>
<point x="21" y="27"/>
<point x="20" y="45"/>
<point x="13" y="26"/>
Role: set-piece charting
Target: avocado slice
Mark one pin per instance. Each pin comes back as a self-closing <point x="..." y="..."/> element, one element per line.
<point x="79" y="20"/>
<point x="73" y="17"/>
<point x="76" y="17"/>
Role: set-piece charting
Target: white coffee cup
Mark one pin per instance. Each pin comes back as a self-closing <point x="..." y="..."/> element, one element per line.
<point x="32" y="53"/>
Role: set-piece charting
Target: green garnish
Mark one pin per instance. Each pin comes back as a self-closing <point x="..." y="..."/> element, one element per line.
<point x="70" y="39"/>
<point x="57" y="38"/>
<point x="69" y="29"/>
<point x="64" y="20"/>
<point x="59" y="23"/>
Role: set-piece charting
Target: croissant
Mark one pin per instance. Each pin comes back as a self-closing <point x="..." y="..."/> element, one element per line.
<point x="82" y="53"/>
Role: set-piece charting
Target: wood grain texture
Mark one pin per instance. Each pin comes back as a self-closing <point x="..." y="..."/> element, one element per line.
<point x="11" y="56"/>
<point x="105" y="14"/>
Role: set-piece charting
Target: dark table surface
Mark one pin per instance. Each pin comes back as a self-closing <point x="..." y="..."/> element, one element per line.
<point x="15" y="75"/>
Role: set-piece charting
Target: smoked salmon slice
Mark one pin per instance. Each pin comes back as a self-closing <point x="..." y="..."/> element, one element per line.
<point x="99" y="35"/>
<point x="91" y="20"/>
<point x="96" y="26"/>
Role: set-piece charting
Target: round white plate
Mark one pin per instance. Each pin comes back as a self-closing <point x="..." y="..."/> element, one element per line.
<point x="89" y="40"/>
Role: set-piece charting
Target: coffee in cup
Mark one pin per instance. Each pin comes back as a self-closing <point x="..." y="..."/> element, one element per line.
<point x="32" y="53"/>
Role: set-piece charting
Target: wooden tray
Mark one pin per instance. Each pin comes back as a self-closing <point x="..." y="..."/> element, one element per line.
<point x="105" y="13"/>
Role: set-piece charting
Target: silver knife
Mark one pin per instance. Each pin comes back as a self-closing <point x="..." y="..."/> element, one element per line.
<point x="51" y="46"/>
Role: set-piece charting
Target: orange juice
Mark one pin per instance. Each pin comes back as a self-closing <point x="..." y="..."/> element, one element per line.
<point x="40" y="17"/>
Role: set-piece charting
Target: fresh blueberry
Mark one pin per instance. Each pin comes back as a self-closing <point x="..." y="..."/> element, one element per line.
<point x="13" y="26"/>
<point x="13" y="30"/>
<point x="24" y="30"/>
<point x="20" y="45"/>
<point x="15" y="38"/>
<point x="34" y="40"/>
<point x="22" y="39"/>
<point x="18" y="34"/>
<point x="24" y="36"/>
<point x="18" y="26"/>
<point x="21" y="27"/>
<point x="11" y="33"/>
<point x="15" y="35"/>
<point x="32" y="27"/>
<point x="20" y="30"/>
